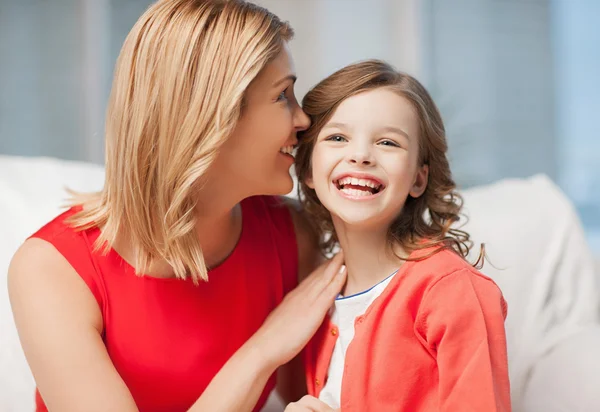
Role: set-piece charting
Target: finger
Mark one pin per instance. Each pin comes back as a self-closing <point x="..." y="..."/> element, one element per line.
<point x="311" y="287"/>
<point x="293" y="407"/>
<point x="316" y="275"/>
<point x="333" y="267"/>
<point x="334" y="288"/>
<point x="297" y="407"/>
<point x="321" y="276"/>
<point x="314" y="404"/>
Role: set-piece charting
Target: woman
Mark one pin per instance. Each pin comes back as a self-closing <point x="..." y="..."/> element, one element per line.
<point x="164" y="291"/>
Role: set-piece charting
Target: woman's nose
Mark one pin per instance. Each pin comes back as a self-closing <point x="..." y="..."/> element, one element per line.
<point x="301" y="119"/>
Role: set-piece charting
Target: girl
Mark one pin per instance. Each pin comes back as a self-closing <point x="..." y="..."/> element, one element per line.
<point x="416" y="327"/>
<point x="159" y="292"/>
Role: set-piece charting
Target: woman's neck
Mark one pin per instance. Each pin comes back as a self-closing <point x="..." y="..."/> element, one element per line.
<point x="218" y="234"/>
<point x="369" y="256"/>
<point x="218" y="227"/>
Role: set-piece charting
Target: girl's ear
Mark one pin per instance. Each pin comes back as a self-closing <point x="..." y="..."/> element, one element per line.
<point x="420" y="183"/>
<point x="309" y="181"/>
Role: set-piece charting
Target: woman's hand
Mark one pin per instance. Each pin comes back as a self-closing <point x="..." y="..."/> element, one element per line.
<point x="291" y="325"/>
<point x="309" y="404"/>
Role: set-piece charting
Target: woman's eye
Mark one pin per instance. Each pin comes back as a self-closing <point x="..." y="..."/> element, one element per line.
<point x="281" y="96"/>
<point x="389" y="143"/>
<point x="336" y="138"/>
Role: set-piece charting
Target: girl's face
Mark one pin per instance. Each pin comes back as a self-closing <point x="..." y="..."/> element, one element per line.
<point x="365" y="159"/>
<point x="257" y="158"/>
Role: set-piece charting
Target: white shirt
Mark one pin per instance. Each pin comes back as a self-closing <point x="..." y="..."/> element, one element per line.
<point x="343" y="314"/>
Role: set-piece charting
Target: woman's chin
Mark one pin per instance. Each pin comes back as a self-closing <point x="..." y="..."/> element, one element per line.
<point x="280" y="184"/>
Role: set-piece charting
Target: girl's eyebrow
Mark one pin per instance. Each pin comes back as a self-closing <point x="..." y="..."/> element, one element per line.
<point x="386" y="129"/>
<point x="393" y="129"/>
<point x="336" y="125"/>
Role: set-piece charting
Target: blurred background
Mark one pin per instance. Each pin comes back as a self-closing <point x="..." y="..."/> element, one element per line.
<point x="517" y="81"/>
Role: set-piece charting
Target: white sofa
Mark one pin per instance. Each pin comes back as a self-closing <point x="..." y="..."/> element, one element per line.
<point x="533" y="238"/>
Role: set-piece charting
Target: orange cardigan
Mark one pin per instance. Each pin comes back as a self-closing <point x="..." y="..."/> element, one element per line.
<point x="434" y="340"/>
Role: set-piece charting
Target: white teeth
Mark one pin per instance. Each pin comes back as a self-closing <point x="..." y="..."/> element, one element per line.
<point x="356" y="192"/>
<point x="368" y="183"/>
<point x="287" y="150"/>
<point x="358" y="182"/>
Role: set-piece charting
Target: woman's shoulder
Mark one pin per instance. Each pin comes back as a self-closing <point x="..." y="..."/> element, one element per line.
<point x="39" y="273"/>
<point x="297" y="237"/>
<point x="55" y="252"/>
<point x="57" y="226"/>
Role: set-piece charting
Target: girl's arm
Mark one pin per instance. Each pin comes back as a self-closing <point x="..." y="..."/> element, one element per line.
<point x="60" y="324"/>
<point x="461" y="322"/>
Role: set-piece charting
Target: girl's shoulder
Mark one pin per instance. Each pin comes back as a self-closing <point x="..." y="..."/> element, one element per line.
<point x="446" y="270"/>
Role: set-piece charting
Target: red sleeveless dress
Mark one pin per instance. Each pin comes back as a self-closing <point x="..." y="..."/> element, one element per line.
<point x="168" y="338"/>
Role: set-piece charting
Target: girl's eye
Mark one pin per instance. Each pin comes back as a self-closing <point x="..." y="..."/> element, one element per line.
<point x="389" y="143"/>
<point x="336" y="138"/>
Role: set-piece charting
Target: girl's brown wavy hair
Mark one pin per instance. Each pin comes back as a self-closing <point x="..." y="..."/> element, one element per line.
<point x="425" y="222"/>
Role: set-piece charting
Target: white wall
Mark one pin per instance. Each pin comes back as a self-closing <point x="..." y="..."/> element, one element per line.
<point x="333" y="33"/>
<point x="40" y="78"/>
<point x="489" y="66"/>
<point x="516" y="80"/>
<point x="576" y="37"/>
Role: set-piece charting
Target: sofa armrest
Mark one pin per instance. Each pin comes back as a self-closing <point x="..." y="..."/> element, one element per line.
<point x="566" y="379"/>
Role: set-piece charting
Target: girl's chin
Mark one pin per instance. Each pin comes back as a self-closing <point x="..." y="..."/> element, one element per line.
<point x="361" y="220"/>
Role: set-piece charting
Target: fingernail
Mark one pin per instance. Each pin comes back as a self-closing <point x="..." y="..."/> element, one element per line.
<point x="342" y="268"/>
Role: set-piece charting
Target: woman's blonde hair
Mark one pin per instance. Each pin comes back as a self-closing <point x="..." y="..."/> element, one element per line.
<point x="426" y="221"/>
<point x="177" y="94"/>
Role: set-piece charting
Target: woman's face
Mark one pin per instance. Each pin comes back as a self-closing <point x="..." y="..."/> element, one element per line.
<point x="256" y="159"/>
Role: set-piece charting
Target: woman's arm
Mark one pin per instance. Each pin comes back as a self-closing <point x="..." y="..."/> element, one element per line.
<point x="291" y="382"/>
<point x="283" y="335"/>
<point x="60" y="324"/>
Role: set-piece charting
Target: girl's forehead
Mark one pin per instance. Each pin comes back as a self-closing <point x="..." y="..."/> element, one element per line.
<point x="379" y="107"/>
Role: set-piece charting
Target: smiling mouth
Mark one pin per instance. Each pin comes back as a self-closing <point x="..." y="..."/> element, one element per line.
<point x="356" y="187"/>
<point x="288" y="150"/>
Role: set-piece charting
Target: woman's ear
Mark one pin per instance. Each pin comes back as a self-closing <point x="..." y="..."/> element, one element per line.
<point x="420" y="183"/>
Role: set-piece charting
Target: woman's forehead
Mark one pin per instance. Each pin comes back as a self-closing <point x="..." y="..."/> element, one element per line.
<point x="278" y="70"/>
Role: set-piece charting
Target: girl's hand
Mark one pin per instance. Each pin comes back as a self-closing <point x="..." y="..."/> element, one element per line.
<point x="309" y="404"/>
<point x="291" y="325"/>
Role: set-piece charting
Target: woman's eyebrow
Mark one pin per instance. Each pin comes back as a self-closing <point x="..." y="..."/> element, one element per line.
<point x="291" y="77"/>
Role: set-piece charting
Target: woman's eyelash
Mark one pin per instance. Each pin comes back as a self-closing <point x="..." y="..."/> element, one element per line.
<point x="282" y="96"/>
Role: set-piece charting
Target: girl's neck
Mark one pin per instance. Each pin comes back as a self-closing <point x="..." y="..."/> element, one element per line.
<point x="369" y="256"/>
